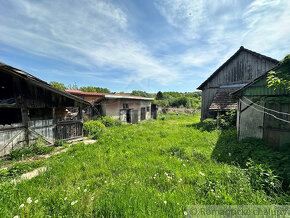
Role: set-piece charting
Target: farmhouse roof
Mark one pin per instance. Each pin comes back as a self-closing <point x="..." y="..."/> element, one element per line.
<point x="284" y="62"/>
<point x="38" y="82"/>
<point x="108" y="96"/>
<point x="231" y="58"/>
<point x="223" y="100"/>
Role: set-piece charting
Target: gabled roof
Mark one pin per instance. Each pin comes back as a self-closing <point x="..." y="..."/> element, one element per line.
<point x="38" y="82"/>
<point x="108" y="96"/>
<point x="231" y="58"/>
<point x="276" y="67"/>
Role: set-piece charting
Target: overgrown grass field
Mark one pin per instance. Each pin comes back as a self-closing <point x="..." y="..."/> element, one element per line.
<point x="156" y="168"/>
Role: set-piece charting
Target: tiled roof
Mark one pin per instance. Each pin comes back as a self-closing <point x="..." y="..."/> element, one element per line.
<point x="223" y="100"/>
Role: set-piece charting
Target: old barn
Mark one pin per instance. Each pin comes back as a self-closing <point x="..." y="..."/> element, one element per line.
<point x="30" y="108"/>
<point x="241" y="68"/>
<point x="127" y="108"/>
<point x="264" y="112"/>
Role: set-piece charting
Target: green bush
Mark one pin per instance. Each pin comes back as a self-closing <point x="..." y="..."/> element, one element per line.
<point x="207" y="125"/>
<point x="93" y="127"/>
<point x="263" y="178"/>
<point x="59" y="143"/>
<point x="229" y="150"/>
<point x="37" y="148"/>
<point x="227" y="120"/>
<point x="109" y="121"/>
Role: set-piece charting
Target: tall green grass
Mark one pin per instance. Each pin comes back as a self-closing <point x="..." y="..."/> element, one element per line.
<point x="155" y="168"/>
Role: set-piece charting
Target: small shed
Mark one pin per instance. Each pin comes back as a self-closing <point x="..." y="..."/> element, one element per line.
<point x="127" y="108"/>
<point x="240" y="69"/>
<point x="31" y="108"/>
<point x="264" y="112"/>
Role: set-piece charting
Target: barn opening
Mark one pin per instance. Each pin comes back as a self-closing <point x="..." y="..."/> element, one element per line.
<point x="10" y="115"/>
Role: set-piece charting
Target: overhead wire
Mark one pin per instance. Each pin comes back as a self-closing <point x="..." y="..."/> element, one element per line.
<point x="265" y="112"/>
<point x="279" y="112"/>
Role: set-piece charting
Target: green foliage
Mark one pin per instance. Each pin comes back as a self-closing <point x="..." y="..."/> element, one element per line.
<point x="227" y="120"/>
<point x="58" y="85"/>
<point x="18" y="169"/>
<point x="159" y="95"/>
<point x="73" y="87"/>
<point x="229" y="150"/>
<point x="263" y="178"/>
<point x="59" y="143"/>
<point x="154" y="169"/>
<point x="141" y="93"/>
<point x="94" y="89"/>
<point x="109" y="121"/>
<point x="37" y="148"/>
<point x="280" y="76"/>
<point x="93" y="128"/>
<point x="179" y="100"/>
<point x="207" y="125"/>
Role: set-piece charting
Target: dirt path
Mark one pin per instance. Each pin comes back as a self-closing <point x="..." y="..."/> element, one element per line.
<point x="56" y="151"/>
<point x="29" y="175"/>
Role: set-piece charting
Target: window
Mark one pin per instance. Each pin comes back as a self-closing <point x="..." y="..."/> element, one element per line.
<point x="148" y="109"/>
<point x="40" y="113"/>
<point x="10" y="115"/>
<point x="125" y="106"/>
<point x="6" y="87"/>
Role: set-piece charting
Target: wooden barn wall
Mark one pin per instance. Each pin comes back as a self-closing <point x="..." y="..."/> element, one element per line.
<point x="207" y="98"/>
<point x="11" y="137"/>
<point x="28" y="94"/>
<point x="242" y="69"/>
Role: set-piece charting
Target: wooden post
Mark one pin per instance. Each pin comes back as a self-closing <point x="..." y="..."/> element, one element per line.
<point x="54" y="123"/>
<point x="25" y="119"/>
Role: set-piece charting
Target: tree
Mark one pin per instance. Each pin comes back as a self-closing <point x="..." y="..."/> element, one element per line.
<point x="94" y="89"/>
<point x="140" y="93"/>
<point x="280" y="76"/>
<point x="58" y="85"/>
<point x="73" y="87"/>
<point x="159" y="95"/>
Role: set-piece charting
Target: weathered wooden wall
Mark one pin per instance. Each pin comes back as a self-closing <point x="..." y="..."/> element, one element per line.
<point x="241" y="70"/>
<point x="11" y="137"/>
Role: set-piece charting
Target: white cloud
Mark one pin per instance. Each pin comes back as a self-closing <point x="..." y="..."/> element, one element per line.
<point x="223" y="26"/>
<point x="89" y="33"/>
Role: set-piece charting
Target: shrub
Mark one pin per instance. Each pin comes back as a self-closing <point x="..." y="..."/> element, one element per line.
<point x="37" y="148"/>
<point x="206" y="125"/>
<point x="93" y="127"/>
<point x="109" y="121"/>
<point x="59" y="143"/>
<point x="227" y="120"/>
<point x="229" y="150"/>
<point x="263" y="178"/>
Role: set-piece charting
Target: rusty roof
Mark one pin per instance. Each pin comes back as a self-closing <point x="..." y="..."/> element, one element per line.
<point x="231" y="58"/>
<point x="223" y="100"/>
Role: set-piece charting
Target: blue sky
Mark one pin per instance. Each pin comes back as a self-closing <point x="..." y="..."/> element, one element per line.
<point x="150" y="45"/>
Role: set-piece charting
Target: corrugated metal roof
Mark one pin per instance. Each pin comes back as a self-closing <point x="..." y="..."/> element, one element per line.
<point x="108" y="96"/>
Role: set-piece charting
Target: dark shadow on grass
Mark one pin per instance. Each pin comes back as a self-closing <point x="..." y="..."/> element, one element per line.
<point x="229" y="150"/>
<point x="203" y="126"/>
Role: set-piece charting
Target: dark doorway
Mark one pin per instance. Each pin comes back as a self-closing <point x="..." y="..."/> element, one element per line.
<point x="154" y="111"/>
<point x="143" y="113"/>
<point x="128" y="116"/>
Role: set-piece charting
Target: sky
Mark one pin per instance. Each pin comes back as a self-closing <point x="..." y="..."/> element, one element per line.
<point x="149" y="45"/>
